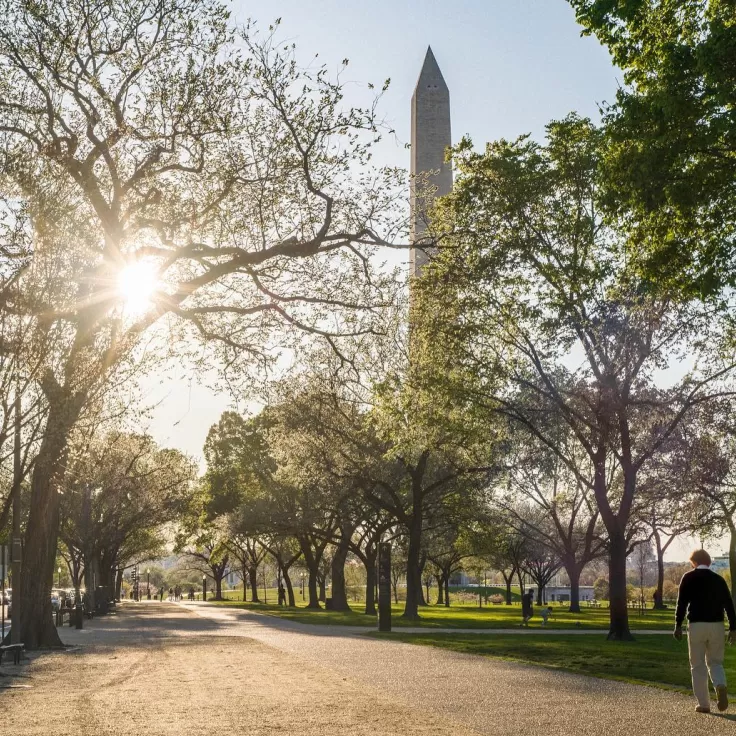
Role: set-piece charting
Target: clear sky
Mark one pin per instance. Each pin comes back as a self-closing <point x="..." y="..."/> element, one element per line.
<point x="511" y="66"/>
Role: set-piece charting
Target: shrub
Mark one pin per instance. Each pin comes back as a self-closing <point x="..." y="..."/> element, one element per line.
<point x="600" y="589"/>
<point x="669" y="591"/>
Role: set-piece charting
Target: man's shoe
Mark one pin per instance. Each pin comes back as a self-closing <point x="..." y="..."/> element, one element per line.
<point x="701" y="709"/>
<point x="722" y="694"/>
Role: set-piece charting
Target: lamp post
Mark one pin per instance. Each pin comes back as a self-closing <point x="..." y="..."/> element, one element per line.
<point x="148" y="582"/>
<point x="58" y="570"/>
<point x="204" y="587"/>
<point x="302" y="574"/>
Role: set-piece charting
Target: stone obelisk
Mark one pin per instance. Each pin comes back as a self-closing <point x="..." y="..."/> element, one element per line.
<point x="431" y="176"/>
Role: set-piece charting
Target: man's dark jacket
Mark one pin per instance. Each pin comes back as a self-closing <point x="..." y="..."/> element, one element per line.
<point x="705" y="596"/>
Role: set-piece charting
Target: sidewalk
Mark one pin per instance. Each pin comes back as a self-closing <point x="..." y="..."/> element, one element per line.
<point x="156" y="670"/>
<point x="167" y="669"/>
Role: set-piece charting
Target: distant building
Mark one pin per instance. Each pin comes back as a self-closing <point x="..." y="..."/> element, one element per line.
<point x="561" y="593"/>
<point x="720" y="563"/>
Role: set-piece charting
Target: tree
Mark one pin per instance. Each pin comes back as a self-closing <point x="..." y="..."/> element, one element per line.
<point x="671" y="138"/>
<point x="135" y="136"/>
<point x="544" y="318"/>
<point x="541" y="565"/>
<point x="249" y="554"/>
<point x="665" y="512"/>
<point x="121" y="490"/>
<point x="491" y="538"/>
<point x="208" y="554"/>
<point x="707" y="465"/>
<point x="447" y="547"/>
<point x="600" y="589"/>
<point x="643" y="556"/>
<point x="546" y="502"/>
<point x="285" y="552"/>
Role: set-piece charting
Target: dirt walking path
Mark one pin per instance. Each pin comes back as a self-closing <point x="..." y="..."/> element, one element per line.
<point x="165" y="669"/>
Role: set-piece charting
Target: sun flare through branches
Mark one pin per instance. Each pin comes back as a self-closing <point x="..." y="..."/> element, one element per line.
<point x="137" y="284"/>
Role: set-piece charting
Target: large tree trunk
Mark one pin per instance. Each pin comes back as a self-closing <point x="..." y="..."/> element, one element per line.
<point x="118" y="584"/>
<point x="508" y="579"/>
<point x="312" y="588"/>
<point x="440" y="589"/>
<point x="413" y="577"/>
<point x="447" y="591"/>
<point x="105" y="582"/>
<point x="289" y="588"/>
<point x="371" y="579"/>
<point x="322" y="580"/>
<point x="659" y="596"/>
<point x="420" y="574"/>
<point x="91" y="578"/>
<point x="218" y="586"/>
<point x="520" y="575"/>
<point x="312" y="563"/>
<point x="253" y="578"/>
<point x="619" y="624"/>
<point x="573" y="572"/>
<point x="37" y="627"/>
<point x="339" y="591"/>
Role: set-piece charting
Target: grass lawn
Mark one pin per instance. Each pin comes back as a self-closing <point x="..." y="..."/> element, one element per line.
<point x="460" y="616"/>
<point x="650" y="660"/>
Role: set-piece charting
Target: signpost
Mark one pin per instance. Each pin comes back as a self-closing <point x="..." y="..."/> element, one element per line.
<point x="384" y="586"/>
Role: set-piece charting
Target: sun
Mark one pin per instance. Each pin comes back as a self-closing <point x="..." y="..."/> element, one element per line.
<point x="137" y="284"/>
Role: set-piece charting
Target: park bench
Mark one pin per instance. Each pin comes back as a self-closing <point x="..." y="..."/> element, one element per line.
<point x="16" y="649"/>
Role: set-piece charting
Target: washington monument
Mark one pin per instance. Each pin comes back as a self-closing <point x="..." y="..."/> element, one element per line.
<point x="431" y="176"/>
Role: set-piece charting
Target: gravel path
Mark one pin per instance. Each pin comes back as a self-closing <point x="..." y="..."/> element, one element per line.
<point x="165" y="668"/>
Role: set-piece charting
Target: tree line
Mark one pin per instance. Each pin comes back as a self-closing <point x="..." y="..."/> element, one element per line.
<point x="568" y="370"/>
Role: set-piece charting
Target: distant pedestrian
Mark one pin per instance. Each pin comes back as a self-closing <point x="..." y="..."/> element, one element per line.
<point x="527" y="607"/>
<point x="705" y="597"/>
<point x="161" y="593"/>
<point x="282" y="595"/>
<point x="545" y="612"/>
<point x="171" y="593"/>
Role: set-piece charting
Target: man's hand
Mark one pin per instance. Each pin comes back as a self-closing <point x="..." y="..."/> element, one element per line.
<point x="732" y="637"/>
<point x="678" y="633"/>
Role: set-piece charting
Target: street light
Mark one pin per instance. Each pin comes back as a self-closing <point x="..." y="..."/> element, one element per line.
<point x="204" y="587"/>
<point x="58" y="570"/>
<point x="148" y="582"/>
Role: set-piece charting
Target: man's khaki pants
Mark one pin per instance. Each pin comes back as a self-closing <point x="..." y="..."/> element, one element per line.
<point x="706" y="644"/>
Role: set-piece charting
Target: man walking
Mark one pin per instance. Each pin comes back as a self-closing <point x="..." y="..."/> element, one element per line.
<point x="705" y="597"/>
